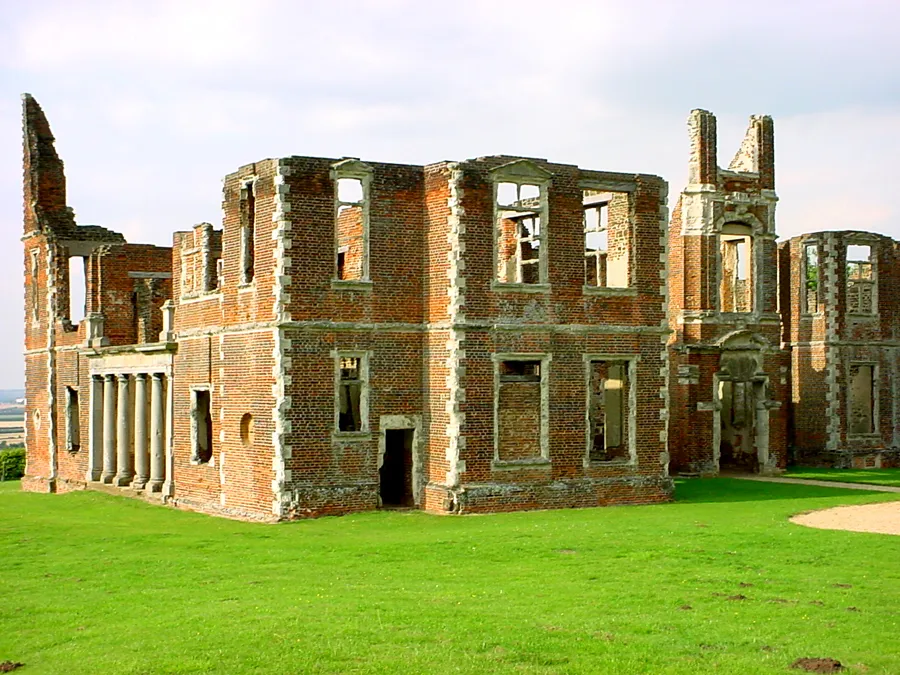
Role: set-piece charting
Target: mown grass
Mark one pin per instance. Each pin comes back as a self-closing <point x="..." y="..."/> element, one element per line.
<point x="717" y="582"/>
<point x="889" y="477"/>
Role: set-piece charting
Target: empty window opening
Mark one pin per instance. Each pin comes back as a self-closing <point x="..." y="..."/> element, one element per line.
<point x="351" y="216"/>
<point x="519" y="410"/>
<point x="395" y="474"/>
<point x="341" y="262"/>
<point x="247" y="431"/>
<point x="607" y="233"/>
<point x="220" y="273"/>
<point x="35" y="299"/>
<point x="811" y="278"/>
<point x="609" y="411"/>
<point x="201" y="426"/>
<point x="77" y="288"/>
<point x="135" y="313"/>
<point x="248" y="231"/>
<point x="860" y="280"/>
<point x="736" y="291"/>
<point x="520" y="232"/>
<point x="350" y="386"/>
<point x="862" y="399"/>
<point x="73" y="424"/>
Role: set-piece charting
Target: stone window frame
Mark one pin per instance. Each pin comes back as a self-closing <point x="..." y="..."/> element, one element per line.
<point x="876" y="397"/>
<point x="545" y="359"/>
<point x="354" y="169"/>
<point x="614" y="188"/>
<point x="248" y="184"/>
<point x="522" y="172"/>
<point x="632" y="361"/>
<point x="365" y="432"/>
<point x="195" y="440"/>
<point x="872" y="243"/>
<point x="805" y="245"/>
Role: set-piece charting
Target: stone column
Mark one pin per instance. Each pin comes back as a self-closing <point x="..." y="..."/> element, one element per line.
<point x="109" y="428"/>
<point x="157" y="429"/>
<point x="123" y="434"/>
<point x="141" y="458"/>
<point x="95" y="430"/>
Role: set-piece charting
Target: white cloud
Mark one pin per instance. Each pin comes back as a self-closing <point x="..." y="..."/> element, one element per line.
<point x="174" y="33"/>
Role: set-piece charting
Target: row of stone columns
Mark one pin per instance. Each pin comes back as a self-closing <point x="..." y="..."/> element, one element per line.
<point x="133" y="450"/>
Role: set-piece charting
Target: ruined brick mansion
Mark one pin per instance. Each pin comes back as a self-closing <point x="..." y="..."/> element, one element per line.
<point x="494" y="334"/>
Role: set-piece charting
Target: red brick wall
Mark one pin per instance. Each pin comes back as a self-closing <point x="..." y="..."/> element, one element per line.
<point x="826" y="343"/>
<point x="519" y="420"/>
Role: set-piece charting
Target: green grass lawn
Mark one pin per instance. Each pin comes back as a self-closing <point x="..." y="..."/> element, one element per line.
<point x="717" y="582"/>
<point x="870" y="476"/>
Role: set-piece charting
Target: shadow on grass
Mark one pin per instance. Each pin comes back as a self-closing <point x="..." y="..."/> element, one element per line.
<point x="706" y="490"/>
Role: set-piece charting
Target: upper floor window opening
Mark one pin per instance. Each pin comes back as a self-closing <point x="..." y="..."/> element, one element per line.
<point x="860" y="279"/>
<point x="736" y="287"/>
<point x="607" y="235"/>
<point x="248" y="231"/>
<point x="33" y="287"/>
<point x="352" y="200"/>
<point x="77" y="288"/>
<point x="521" y="254"/>
<point x="810" y="281"/>
<point x="351" y="207"/>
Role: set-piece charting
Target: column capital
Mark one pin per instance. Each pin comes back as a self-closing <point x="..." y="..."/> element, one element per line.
<point x="158" y="376"/>
<point x="109" y="377"/>
<point x="123" y="377"/>
<point x="140" y="376"/>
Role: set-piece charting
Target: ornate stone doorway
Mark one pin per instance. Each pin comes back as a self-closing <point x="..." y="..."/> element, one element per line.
<point x="741" y="410"/>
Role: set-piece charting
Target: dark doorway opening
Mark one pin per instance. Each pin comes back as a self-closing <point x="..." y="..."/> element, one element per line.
<point x="396" y="468"/>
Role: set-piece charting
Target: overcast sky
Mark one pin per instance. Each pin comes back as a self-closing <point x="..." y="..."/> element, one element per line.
<point x="153" y="102"/>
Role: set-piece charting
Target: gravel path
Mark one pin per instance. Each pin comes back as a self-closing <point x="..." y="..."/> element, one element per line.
<point x="883" y="518"/>
<point x="818" y="483"/>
